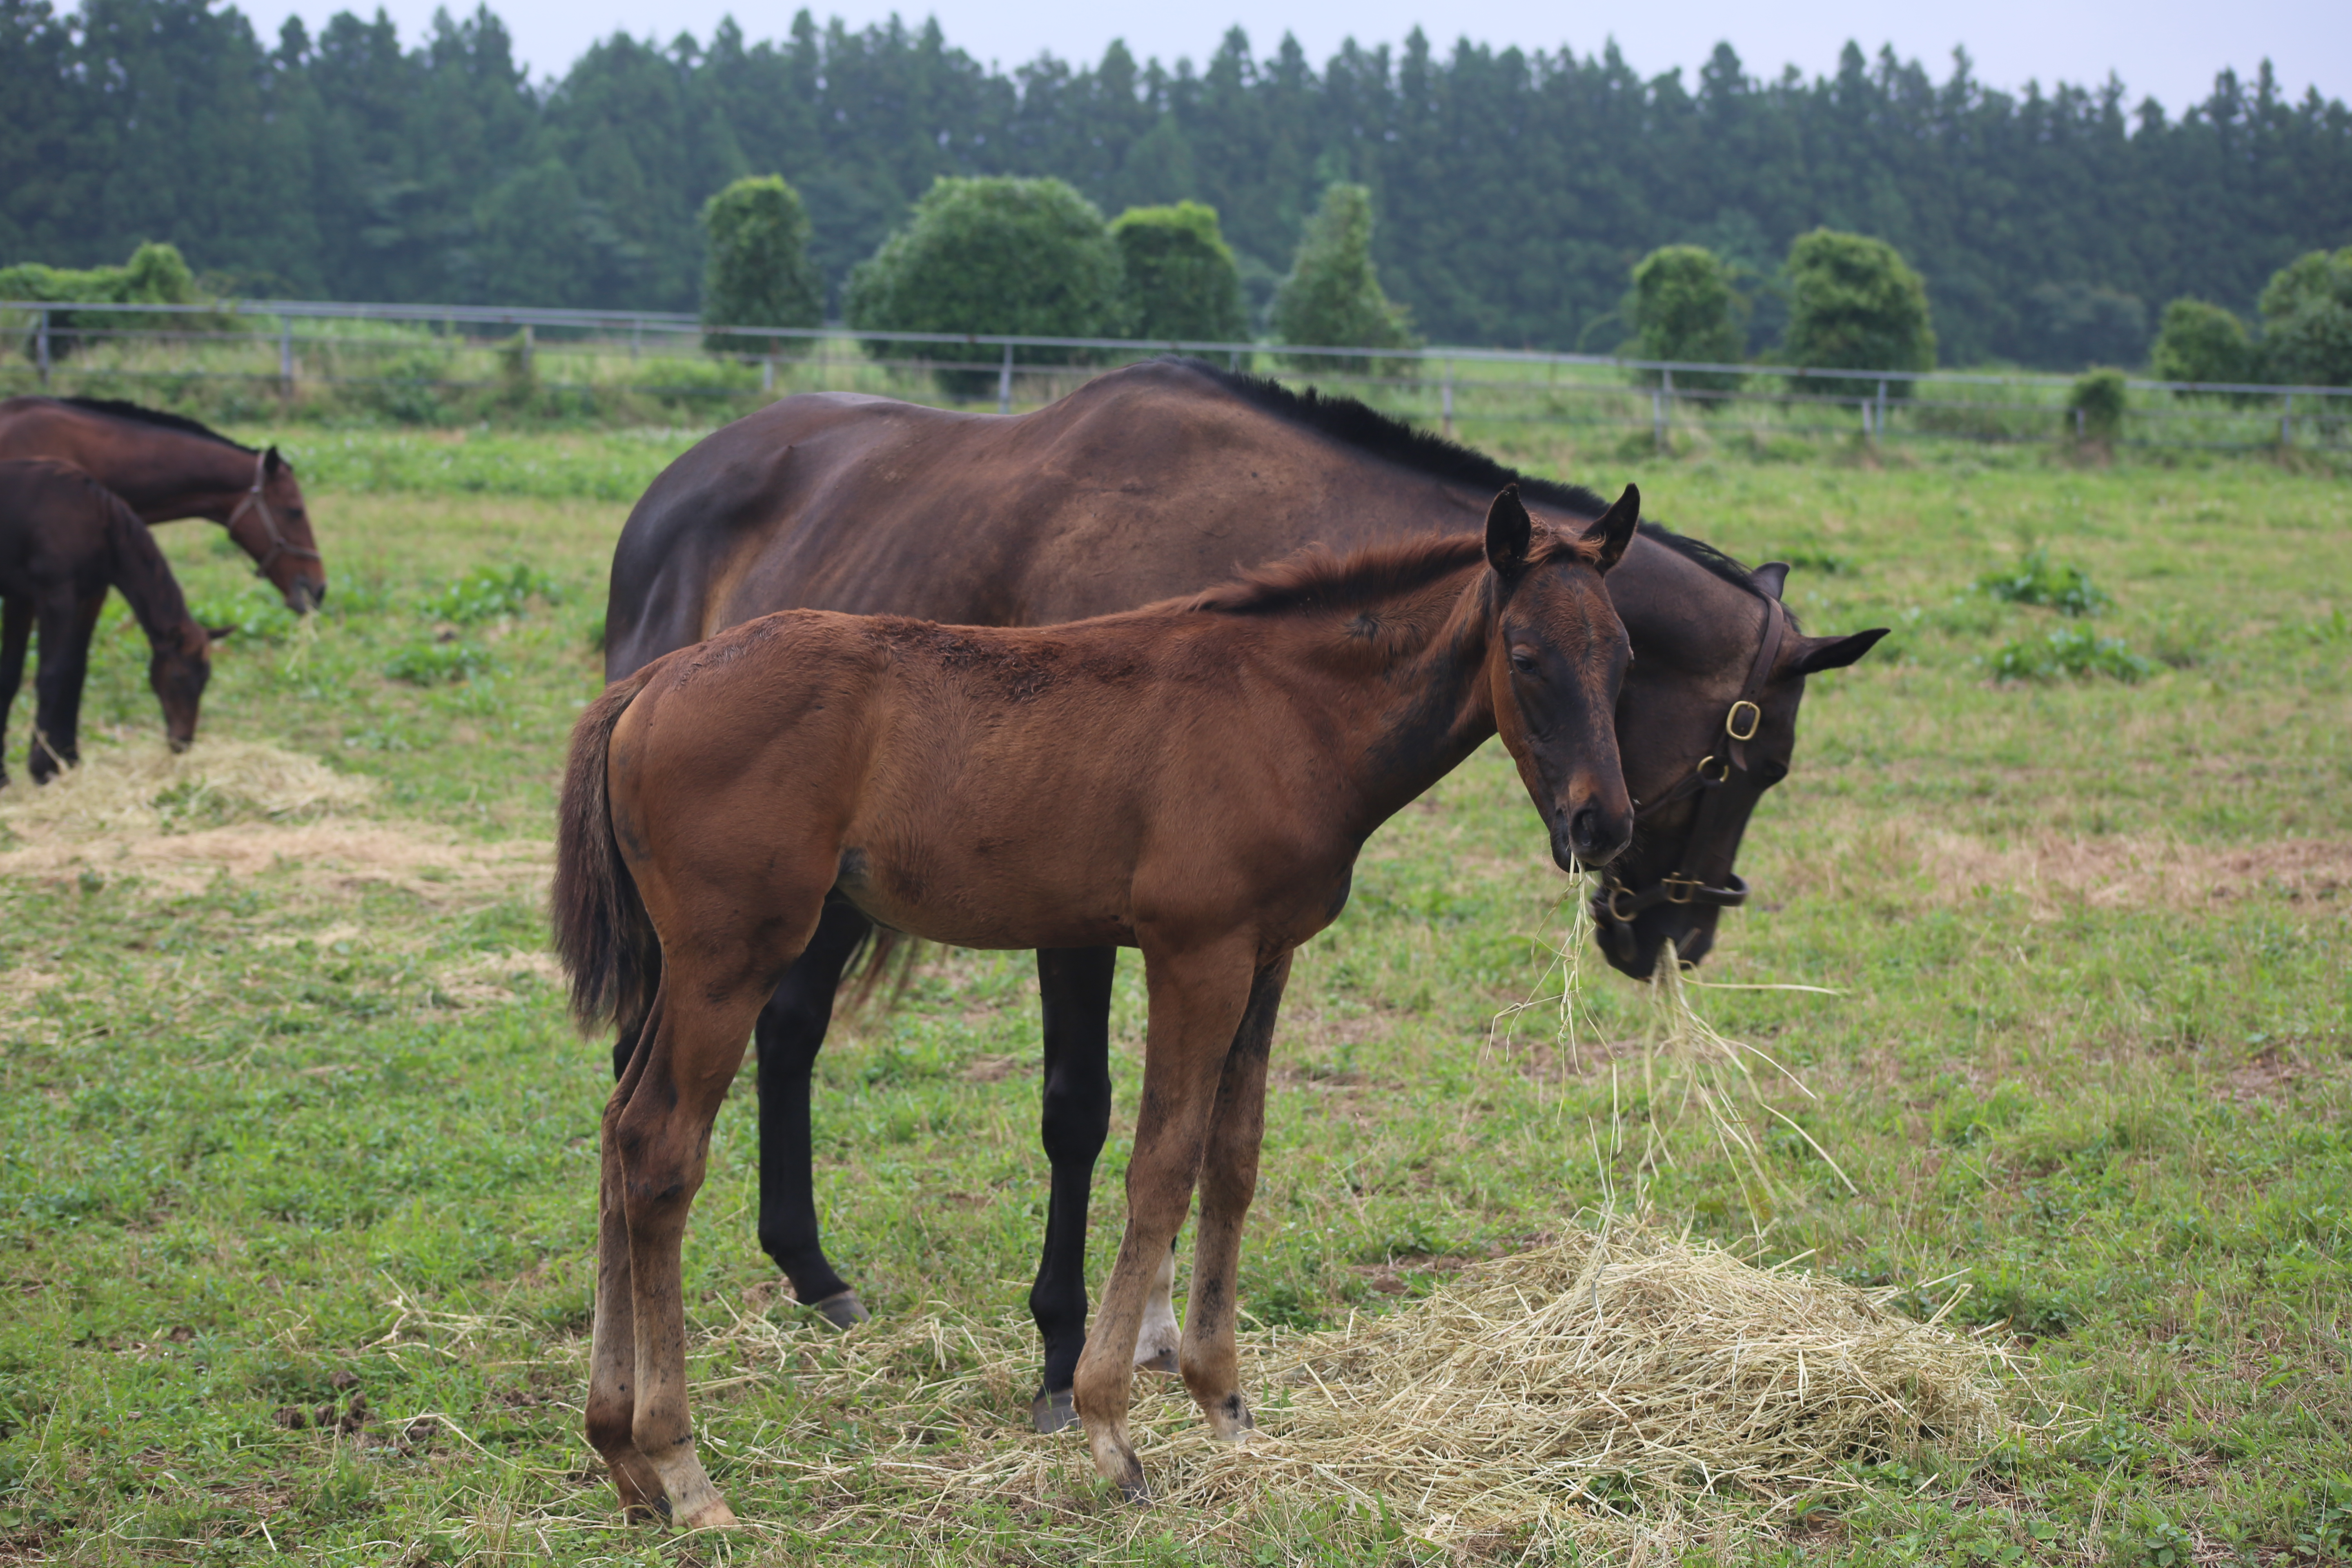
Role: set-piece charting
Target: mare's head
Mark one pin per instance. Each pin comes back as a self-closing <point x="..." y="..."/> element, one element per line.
<point x="272" y="524"/>
<point x="178" y="668"/>
<point x="1703" y="742"/>
<point x="1556" y="654"/>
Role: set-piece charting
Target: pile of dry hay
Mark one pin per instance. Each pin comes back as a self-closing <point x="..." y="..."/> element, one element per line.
<point x="1607" y="1388"/>
<point x="131" y="790"/>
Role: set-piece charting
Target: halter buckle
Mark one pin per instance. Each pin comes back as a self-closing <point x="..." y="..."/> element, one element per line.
<point x="1722" y="763"/>
<point x="1689" y="886"/>
<point x="1731" y="720"/>
<point x="1620" y="890"/>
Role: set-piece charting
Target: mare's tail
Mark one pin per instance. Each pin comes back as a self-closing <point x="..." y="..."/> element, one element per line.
<point x="602" y="930"/>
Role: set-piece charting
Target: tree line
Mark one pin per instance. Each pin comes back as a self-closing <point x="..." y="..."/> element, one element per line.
<point x="1514" y="190"/>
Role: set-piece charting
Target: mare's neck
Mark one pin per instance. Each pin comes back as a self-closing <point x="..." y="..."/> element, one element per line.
<point x="166" y="474"/>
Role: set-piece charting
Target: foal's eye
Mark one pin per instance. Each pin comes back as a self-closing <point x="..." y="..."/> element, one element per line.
<point x="1522" y="662"/>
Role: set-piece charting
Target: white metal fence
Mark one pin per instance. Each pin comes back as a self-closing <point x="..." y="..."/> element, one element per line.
<point x="433" y="363"/>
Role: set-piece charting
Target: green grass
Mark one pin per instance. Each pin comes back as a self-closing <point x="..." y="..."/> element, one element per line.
<point x="304" y="1135"/>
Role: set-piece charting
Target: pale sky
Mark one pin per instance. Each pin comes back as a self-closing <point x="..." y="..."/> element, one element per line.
<point x="2170" y="49"/>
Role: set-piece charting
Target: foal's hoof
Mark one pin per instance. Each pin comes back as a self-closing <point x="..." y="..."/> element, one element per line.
<point x="1138" y="1492"/>
<point x="712" y="1515"/>
<point x="1051" y="1411"/>
<point x="1162" y="1359"/>
<point x="843" y="1311"/>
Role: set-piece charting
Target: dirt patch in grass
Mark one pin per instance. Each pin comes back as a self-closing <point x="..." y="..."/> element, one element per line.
<point x="2139" y="871"/>
<point x="332" y="856"/>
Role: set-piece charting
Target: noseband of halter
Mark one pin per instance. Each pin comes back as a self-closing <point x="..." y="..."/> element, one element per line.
<point x="258" y="502"/>
<point x="1702" y="875"/>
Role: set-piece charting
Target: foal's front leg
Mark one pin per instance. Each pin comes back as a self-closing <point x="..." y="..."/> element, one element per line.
<point x="1211" y="1361"/>
<point x="1197" y="1000"/>
<point x="16" y="637"/>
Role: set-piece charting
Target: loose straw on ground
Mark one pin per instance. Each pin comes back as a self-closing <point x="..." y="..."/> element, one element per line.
<point x="126" y="790"/>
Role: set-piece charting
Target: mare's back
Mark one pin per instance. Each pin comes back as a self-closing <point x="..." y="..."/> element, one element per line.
<point x="52" y="515"/>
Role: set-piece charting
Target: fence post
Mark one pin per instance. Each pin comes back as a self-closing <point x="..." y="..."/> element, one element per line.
<point x="1004" y="382"/>
<point x="2287" y="421"/>
<point x="41" y="347"/>
<point x="1658" y="408"/>
<point x="285" y="358"/>
<point x="636" y="331"/>
<point x="1448" y="420"/>
<point x="528" y="369"/>
<point x="768" y="372"/>
<point x="2080" y="424"/>
<point x="1878" y="426"/>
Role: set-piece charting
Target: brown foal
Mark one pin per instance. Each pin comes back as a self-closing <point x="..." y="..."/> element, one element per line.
<point x="1193" y="779"/>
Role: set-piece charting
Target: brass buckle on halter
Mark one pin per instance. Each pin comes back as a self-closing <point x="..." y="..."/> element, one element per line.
<point x="1715" y="778"/>
<point x="1620" y="890"/>
<point x="1731" y="720"/>
<point x="1691" y="885"/>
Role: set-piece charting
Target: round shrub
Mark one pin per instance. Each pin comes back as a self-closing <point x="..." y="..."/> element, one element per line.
<point x="1182" y="283"/>
<point x="2199" y="342"/>
<point x="756" y="270"/>
<point x="1683" y="307"/>
<point x="1853" y="304"/>
<point x="2307" y="321"/>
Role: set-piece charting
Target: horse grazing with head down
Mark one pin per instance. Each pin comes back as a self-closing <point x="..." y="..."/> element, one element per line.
<point x="1193" y="779"/>
<point x="169" y="467"/>
<point x="64" y="539"/>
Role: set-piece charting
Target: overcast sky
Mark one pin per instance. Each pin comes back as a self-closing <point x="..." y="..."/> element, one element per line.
<point x="2170" y="49"/>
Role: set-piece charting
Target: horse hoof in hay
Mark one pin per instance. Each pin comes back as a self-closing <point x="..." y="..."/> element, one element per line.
<point x="843" y="1311"/>
<point x="712" y="1515"/>
<point x="1052" y="1412"/>
<point x="1151" y="1358"/>
<point x="1229" y="1419"/>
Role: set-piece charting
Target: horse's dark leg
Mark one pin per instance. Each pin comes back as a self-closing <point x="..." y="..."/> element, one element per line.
<point x="16" y="637"/>
<point x="66" y="629"/>
<point x="1075" y="984"/>
<point x="790" y="1033"/>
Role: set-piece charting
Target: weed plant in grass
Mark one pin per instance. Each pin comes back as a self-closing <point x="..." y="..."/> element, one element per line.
<point x="293" y="1118"/>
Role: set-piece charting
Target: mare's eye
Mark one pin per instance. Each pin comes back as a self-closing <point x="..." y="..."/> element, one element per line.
<point x="1524" y="663"/>
<point x="1772" y="773"/>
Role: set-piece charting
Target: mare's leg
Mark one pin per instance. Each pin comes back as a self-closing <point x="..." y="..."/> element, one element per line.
<point x="16" y="637"/>
<point x="662" y="1136"/>
<point x="1074" y="983"/>
<point x="1211" y="1361"/>
<point x="66" y="627"/>
<point x="1197" y="1001"/>
<point x="789" y="1034"/>
<point x="613" y="1359"/>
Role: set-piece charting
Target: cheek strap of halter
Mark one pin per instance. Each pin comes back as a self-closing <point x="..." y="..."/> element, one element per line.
<point x="258" y="502"/>
<point x="1697" y="879"/>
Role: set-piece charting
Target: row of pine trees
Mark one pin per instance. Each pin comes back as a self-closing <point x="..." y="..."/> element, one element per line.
<point x="1513" y="190"/>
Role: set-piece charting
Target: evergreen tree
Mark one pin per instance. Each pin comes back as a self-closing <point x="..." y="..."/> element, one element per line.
<point x="1021" y="258"/>
<point x="1181" y="279"/>
<point x="1333" y="298"/>
<point x="1854" y="305"/>
<point x="757" y="271"/>
<point x="1683" y="307"/>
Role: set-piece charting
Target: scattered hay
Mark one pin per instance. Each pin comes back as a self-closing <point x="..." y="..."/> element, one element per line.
<point x="146" y="789"/>
<point x="1594" y="1391"/>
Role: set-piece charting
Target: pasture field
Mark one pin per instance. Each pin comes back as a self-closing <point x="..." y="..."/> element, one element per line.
<point x="297" y="1184"/>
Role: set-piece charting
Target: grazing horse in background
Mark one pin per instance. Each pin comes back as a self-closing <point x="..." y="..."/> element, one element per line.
<point x="1193" y="779"/>
<point x="1147" y="482"/>
<point x="64" y="539"/>
<point x="169" y="468"/>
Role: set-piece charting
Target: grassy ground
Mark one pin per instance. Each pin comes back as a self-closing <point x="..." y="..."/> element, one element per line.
<point x="295" y="1202"/>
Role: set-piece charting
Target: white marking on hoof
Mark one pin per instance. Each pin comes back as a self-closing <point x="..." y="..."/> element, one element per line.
<point x="1156" y="1341"/>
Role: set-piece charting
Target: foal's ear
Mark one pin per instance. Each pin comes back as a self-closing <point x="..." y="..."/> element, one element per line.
<point x="272" y="464"/>
<point x="1770" y="578"/>
<point x="1615" y="531"/>
<point x="1818" y="654"/>
<point x="215" y="633"/>
<point x="1508" y="530"/>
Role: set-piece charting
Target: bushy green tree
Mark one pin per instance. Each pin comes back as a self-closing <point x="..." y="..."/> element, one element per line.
<point x="1332" y="297"/>
<point x="1683" y="307"/>
<point x="1853" y="304"/>
<point x="2307" y="321"/>
<point x="1182" y="281"/>
<point x="155" y="275"/>
<point x="2199" y="342"/>
<point x="2095" y="405"/>
<point x="1030" y="258"/>
<point x="756" y="270"/>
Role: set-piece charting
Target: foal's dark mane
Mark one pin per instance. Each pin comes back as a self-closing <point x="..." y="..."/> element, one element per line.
<point x="138" y="414"/>
<point x="1346" y="420"/>
<point x="1322" y="578"/>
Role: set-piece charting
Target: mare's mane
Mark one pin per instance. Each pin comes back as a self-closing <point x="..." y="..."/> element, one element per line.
<point x="1321" y="578"/>
<point x="1352" y="423"/>
<point x="139" y="414"/>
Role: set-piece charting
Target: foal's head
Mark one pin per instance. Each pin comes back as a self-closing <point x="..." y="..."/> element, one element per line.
<point x="178" y="669"/>
<point x="1556" y="654"/>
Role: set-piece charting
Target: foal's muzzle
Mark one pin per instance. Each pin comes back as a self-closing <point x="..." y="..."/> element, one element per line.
<point x="1588" y="835"/>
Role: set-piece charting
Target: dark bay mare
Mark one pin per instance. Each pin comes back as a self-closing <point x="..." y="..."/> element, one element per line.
<point x="1193" y="779"/>
<point x="1149" y="483"/>
<point x="64" y="539"/>
<point x="169" y="468"/>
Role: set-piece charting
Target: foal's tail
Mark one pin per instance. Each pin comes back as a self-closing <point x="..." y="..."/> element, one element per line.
<point x="602" y="931"/>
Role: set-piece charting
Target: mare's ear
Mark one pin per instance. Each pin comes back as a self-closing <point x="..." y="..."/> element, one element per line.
<point x="1615" y="531"/>
<point x="1771" y="577"/>
<point x="1818" y="654"/>
<point x="271" y="463"/>
<point x="1509" y="530"/>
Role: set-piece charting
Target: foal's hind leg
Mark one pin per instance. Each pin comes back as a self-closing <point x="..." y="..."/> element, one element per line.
<point x="1074" y="984"/>
<point x="66" y="627"/>
<point x="613" y="1364"/>
<point x="1211" y="1361"/>
<point x="16" y="637"/>
<point x="790" y="1033"/>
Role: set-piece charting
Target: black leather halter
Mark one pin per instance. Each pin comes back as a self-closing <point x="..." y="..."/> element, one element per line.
<point x="1702" y="875"/>
<point x="260" y="503"/>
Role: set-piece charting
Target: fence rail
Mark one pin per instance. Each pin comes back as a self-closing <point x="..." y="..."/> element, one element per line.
<point x="436" y="363"/>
